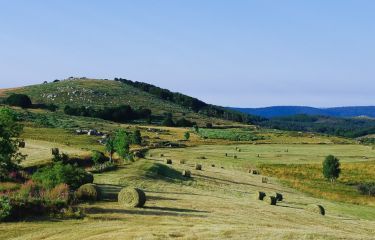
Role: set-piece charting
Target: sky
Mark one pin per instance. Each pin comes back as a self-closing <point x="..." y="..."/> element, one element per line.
<point x="226" y="52"/>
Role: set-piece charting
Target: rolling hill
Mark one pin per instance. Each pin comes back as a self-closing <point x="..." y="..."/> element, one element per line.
<point x="281" y="111"/>
<point x="99" y="93"/>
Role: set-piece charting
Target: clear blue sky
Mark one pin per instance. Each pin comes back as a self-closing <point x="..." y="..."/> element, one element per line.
<point x="231" y="53"/>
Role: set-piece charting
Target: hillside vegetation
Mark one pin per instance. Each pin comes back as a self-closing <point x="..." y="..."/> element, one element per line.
<point x="107" y="93"/>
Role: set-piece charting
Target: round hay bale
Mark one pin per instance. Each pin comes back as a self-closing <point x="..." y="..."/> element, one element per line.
<point x="182" y="161"/>
<point x="55" y="151"/>
<point x="198" y="166"/>
<point x="255" y="172"/>
<point x="317" y="209"/>
<point x="88" y="192"/>
<point x="22" y="144"/>
<point x="132" y="197"/>
<point x="186" y="173"/>
<point x="279" y="197"/>
<point x="168" y="161"/>
<point x="272" y="200"/>
<point x="261" y="195"/>
<point x="264" y="180"/>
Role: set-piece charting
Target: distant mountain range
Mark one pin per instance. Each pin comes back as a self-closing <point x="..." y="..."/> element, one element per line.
<point x="281" y="111"/>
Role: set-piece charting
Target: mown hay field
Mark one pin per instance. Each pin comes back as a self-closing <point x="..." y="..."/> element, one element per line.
<point x="215" y="204"/>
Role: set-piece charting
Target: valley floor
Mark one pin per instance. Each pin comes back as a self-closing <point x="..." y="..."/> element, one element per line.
<point x="216" y="204"/>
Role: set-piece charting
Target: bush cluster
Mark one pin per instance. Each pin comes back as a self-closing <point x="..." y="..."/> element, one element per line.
<point x="367" y="188"/>
<point x="19" y="100"/>
<point x="51" y="176"/>
<point x="122" y="113"/>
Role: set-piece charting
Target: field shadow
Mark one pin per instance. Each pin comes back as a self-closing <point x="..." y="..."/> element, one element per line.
<point x="190" y="194"/>
<point x="147" y="211"/>
<point x="109" y="191"/>
<point x="161" y="198"/>
<point x="183" y="210"/>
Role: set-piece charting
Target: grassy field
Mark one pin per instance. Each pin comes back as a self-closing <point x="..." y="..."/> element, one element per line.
<point x="218" y="202"/>
<point x="215" y="204"/>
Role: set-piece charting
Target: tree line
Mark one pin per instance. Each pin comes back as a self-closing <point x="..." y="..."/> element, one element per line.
<point x="123" y="113"/>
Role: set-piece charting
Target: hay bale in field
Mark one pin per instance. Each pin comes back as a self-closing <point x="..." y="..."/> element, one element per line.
<point x="131" y="197"/>
<point x="279" y="197"/>
<point x="22" y="144"/>
<point x="186" y="173"/>
<point x="198" y="166"/>
<point x="261" y="195"/>
<point x="88" y="192"/>
<point x="271" y="200"/>
<point x="212" y="165"/>
<point x="255" y="172"/>
<point x="182" y="161"/>
<point x="317" y="209"/>
<point x="168" y="161"/>
<point x="222" y="167"/>
<point x="264" y="179"/>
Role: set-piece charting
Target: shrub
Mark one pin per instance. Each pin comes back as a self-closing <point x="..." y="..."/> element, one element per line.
<point x="367" y="188"/>
<point x="98" y="157"/>
<point x="168" y="161"/>
<point x="136" y="137"/>
<point x="88" y="192"/>
<point x="186" y="135"/>
<point x="132" y="197"/>
<point x="168" y="120"/>
<point x="58" y="193"/>
<point x="5" y="208"/>
<point x="30" y="189"/>
<point x="19" y="100"/>
<point x="51" y="176"/>
<point x="182" y="122"/>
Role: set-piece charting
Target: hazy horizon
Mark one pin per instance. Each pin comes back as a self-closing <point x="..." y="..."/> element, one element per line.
<point x="237" y="53"/>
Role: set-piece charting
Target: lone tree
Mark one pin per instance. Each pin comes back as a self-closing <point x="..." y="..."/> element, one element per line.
<point x="331" y="168"/>
<point x="19" y="100"/>
<point x="10" y="130"/>
<point x="187" y="135"/>
<point x="121" y="144"/>
<point x="110" y="147"/>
